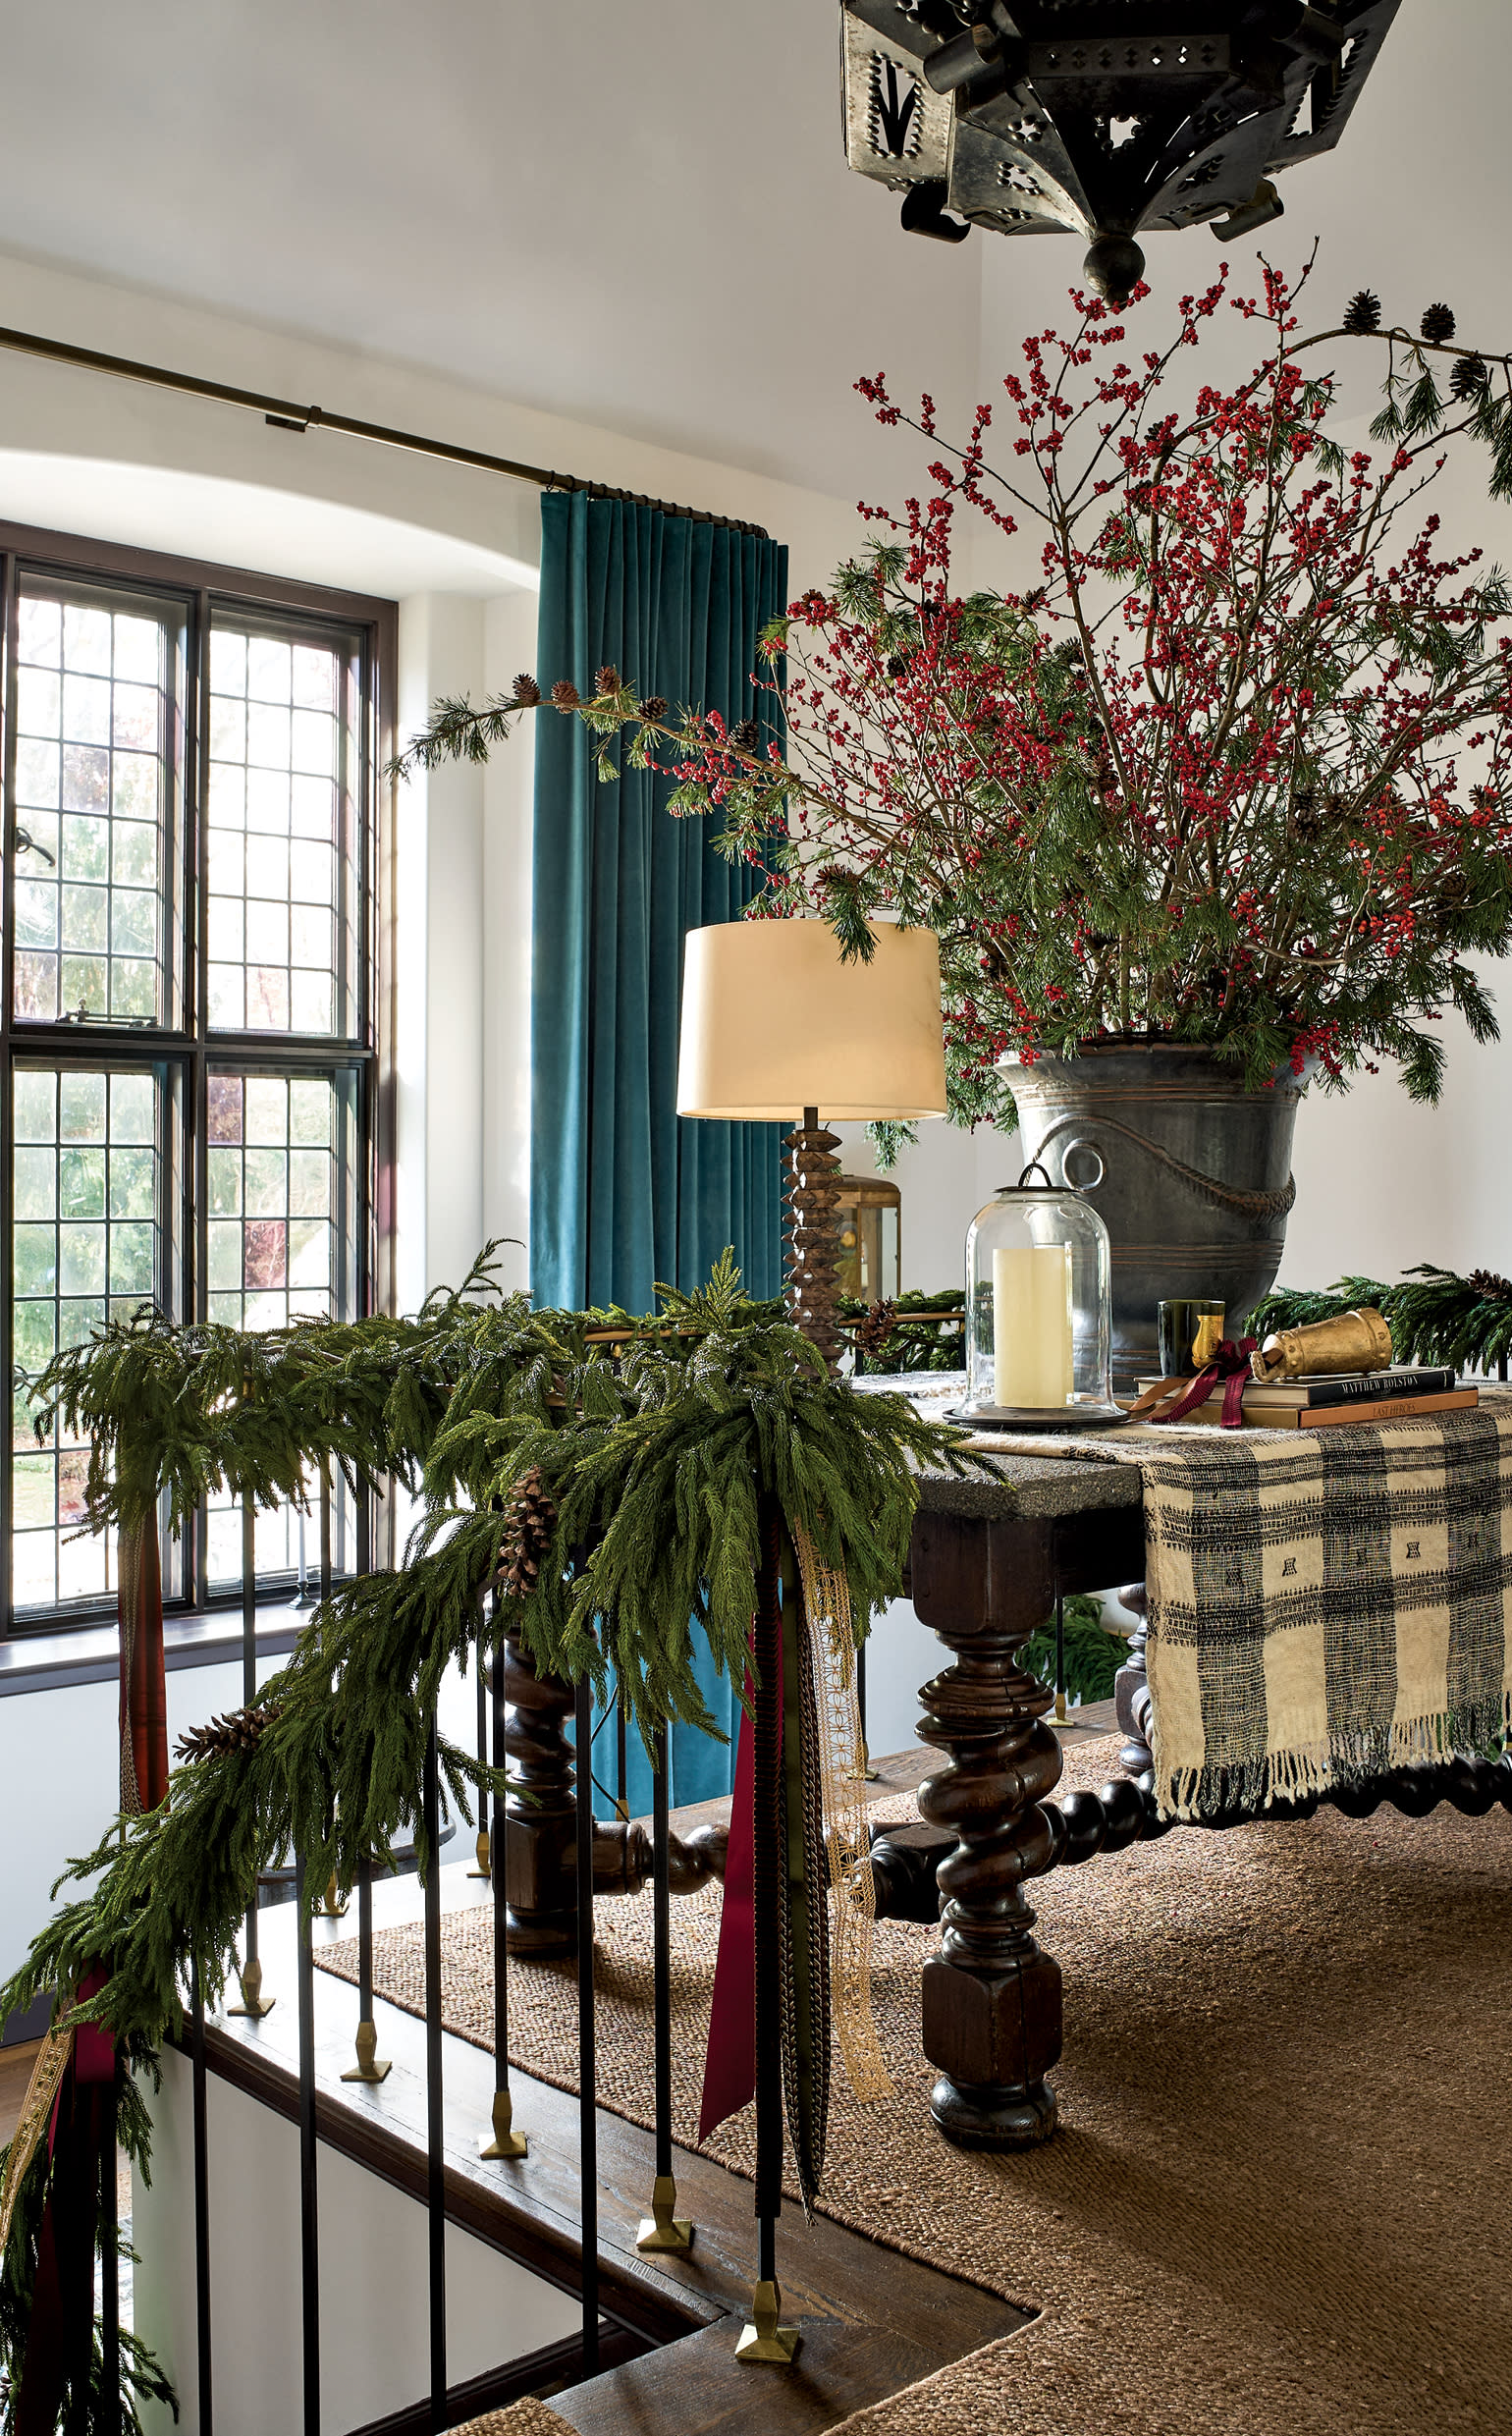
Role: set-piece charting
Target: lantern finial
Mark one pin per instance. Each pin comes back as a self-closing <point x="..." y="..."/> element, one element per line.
<point x="1116" y="266"/>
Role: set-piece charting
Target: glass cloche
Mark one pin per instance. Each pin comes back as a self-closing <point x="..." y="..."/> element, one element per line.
<point x="1038" y="1305"/>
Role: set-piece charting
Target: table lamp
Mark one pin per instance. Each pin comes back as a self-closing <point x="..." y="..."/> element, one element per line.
<point x="775" y="1021"/>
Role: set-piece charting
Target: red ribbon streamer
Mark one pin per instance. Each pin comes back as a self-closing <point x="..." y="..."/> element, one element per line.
<point x="143" y="1682"/>
<point x="729" y="2064"/>
<point x="1230" y="1364"/>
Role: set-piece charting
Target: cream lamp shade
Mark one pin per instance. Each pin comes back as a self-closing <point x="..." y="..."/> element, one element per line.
<point x="773" y="1021"/>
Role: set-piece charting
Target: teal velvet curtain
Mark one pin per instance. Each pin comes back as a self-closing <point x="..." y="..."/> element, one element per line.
<point x="625" y="1193"/>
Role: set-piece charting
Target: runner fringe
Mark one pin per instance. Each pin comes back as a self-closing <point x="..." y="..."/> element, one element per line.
<point x="1195" y="1794"/>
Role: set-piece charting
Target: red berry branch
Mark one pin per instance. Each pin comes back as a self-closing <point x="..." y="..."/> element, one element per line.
<point x="1232" y="763"/>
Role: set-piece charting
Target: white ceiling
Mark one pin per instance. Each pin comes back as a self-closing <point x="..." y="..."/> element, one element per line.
<point x="638" y="215"/>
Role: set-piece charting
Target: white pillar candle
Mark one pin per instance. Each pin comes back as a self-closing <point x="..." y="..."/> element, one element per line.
<point x="1032" y="1326"/>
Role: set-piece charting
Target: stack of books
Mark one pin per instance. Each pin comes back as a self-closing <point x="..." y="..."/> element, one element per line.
<point x="1321" y="1401"/>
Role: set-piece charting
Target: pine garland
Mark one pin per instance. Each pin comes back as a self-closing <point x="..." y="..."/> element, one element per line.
<point x="638" y="1469"/>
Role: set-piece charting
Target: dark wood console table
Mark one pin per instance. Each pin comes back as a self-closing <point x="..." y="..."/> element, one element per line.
<point x="990" y="1554"/>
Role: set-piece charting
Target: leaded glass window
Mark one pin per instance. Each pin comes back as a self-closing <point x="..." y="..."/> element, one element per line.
<point x="96" y="708"/>
<point x="189" y="780"/>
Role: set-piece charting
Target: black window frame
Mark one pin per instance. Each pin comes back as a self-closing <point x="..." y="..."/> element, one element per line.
<point x="189" y="1049"/>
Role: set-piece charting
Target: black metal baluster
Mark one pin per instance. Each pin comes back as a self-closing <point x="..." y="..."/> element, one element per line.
<point x="480" y="1846"/>
<point x="201" y="2205"/>
<point x="309" y="2231"/>
<point x="368" y="2066"/>
<point x="253" y="2003"/>
<point x="587" y="2104"/>
<point x="435" y="2162"/>
<point x="621" y="1753"/>
<point x="869" y="1774"/>
<point x="335" y="1900"/>
<point x="765" y="2339"/>
<point x="1062" y="1717"/>
<point x="664" y="2228"/>
<point x="110" y="2271"/>
<point x="504" y="2140"/>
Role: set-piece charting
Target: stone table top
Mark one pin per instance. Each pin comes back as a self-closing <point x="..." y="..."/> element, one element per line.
<point x="1033" y="1486"/>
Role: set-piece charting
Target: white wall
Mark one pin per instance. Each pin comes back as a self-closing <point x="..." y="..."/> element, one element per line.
<point x="59" y="1784"/>
<point x="60" y="1773"/>
<point x="374" y="2316"/>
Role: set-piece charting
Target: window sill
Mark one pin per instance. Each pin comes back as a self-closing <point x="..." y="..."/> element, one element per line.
<point x="91" y="1654"/>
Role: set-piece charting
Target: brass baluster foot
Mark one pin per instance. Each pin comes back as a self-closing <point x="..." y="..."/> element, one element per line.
<point x="506" y="2142"/>
<point x="764" y="2339"/>
<point x="368" y="2065"/>
<point x="254" y="2005"/>
<point x="664" y="2228"/>
<point x="481" y="1867"/>
<point x="335" y="1900"/>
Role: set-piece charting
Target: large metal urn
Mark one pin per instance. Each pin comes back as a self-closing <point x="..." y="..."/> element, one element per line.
<point x="1190" y="1171"/>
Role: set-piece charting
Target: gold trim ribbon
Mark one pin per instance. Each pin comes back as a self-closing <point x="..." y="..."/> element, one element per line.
<point x="36" y="2109"/>
<point x="847" y="1838"/>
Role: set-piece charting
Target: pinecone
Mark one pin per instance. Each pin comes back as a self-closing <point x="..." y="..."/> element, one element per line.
<point x="527" y="1534"/>
<point x="744" y="735"/>
<point x="565" y="694"/>
<point x="1437" y="325"/>
<point x="875" y="1328"/>
<point x="897" y="666"/>
<point x="526" y="691"/>
<point x="1362" y="314"/>
<point x="1470" y="378"/>
<point x="239" y="1729"/>
<point x="608" y="679"/>
<point x="1490" y="1286"/>
<point x="654" y="707"/>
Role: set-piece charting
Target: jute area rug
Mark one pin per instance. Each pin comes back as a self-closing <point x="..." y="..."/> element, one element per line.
<point x="1278" y="2206"/>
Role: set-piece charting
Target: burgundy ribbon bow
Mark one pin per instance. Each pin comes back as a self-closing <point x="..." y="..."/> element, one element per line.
<point x="1231" y="1364"/>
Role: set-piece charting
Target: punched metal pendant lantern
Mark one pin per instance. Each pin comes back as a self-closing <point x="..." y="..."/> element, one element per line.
<point x="1101" y="117"/>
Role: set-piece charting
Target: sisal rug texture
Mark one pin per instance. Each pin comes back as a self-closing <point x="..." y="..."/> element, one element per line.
<point x="1276" y="2206"/>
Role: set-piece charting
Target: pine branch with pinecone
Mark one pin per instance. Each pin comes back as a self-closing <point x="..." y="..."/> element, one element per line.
<point x="238" y="1729"/>
<point x="528" y="1528"/>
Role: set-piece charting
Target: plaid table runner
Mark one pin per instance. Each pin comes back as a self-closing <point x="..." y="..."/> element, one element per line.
<point x="1323" y="1605"/>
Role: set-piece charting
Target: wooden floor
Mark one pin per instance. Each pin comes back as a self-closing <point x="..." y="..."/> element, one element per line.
<point x="871" y="2322"/>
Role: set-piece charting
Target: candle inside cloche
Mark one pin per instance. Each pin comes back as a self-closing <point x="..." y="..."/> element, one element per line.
<point x="1038" y="1309"/>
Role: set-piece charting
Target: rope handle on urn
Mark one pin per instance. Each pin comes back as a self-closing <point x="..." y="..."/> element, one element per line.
<point x="1257" y="1205"/>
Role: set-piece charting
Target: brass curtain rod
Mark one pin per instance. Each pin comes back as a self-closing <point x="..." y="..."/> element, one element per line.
<point x="286" y="415"/>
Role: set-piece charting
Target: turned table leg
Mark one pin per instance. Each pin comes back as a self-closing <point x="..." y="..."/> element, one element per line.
<point x="1131" y="1687"/>
<point x="540" y="1818"/>
<point x="540" y="1823"/>
<point x="990" y="1997"/>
